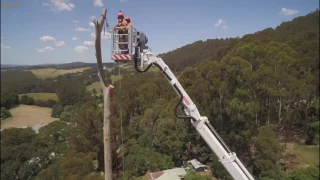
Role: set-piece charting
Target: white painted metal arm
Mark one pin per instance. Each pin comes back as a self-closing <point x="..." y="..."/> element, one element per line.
<point x="229" y="159"/>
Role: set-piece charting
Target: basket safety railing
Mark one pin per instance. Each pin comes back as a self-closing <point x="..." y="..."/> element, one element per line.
<point x="129" y="39"/>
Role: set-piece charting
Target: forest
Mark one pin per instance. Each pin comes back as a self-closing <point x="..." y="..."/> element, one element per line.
<point x="259" y="92"/>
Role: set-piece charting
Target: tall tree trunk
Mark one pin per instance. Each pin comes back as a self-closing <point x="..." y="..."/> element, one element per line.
<point x="268" y="102"/>
<point x="106" y="99"/>
<point x="220" y="100"/>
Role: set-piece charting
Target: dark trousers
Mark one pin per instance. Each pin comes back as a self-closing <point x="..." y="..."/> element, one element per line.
<point x="123" y="38"/>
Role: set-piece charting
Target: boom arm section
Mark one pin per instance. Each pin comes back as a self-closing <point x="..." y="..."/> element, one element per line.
<point x="228" y="158"/>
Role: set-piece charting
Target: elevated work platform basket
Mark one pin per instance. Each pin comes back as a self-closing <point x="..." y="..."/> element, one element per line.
<point x="122" y="45"/>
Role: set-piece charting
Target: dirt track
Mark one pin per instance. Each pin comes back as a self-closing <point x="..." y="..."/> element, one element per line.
<point x="25" y="115"/>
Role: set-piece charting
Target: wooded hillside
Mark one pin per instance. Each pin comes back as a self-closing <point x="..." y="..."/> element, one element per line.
<point x="259" y="92"/>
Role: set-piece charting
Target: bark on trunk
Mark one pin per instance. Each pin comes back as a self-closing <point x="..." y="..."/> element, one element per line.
<point x="106" y="99"/>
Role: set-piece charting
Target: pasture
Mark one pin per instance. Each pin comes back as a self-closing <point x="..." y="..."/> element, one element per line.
<point x="52" y="72"/>
<point x="41" y="96"/>
<point x="298" y="155"/>
<point x="95" y="85"/>
<point x="115" y="78"/>
<point x="307" y="156"/>
<point x="25" y="115"/>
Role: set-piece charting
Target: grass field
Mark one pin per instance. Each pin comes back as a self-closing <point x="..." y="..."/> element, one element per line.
<point x="25" y="115"/>
<point x="52" y="72"/>
<point x="307" y="155"/>
<point x="96" y="85"/>
<point x="41" y="96"/>
<point x="301" y="156"/>
<point x="115" y="78"/>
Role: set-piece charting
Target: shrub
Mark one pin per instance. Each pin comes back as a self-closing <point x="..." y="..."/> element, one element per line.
<point x="56" y="110"/>
<point x="41" y="103"/>
<point x="5" y="113"/>
<point x="51" y="102"/>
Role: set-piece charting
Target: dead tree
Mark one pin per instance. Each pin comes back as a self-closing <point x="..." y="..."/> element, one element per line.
<point x="106" y="99"/>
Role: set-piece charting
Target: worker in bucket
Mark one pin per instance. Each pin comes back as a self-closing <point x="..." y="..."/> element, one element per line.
<point x="121" y="26"/>
<point x="129" y="25"/>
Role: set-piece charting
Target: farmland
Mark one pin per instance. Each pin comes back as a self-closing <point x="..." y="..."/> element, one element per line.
<point x="95" y="85"/>
<point x="52" y="72"/>
<point x="25" y="115"/>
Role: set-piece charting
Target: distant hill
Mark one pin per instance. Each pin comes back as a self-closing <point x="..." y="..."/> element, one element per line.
<point x="192" y="54"/>
<point x="214" y="49"/>
<point x="72" y="65"/>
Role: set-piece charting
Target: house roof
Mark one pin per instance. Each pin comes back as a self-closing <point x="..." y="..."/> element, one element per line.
<point x="169" y="174"/>
<point x="155" y="175"/>
<point x="196" y="164"/>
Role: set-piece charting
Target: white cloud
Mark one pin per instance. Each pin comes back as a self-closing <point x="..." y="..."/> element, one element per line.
<point x="80" y="49"/>
<point x="75" y="21"/>
<point x="92" y="17"/>
<point x="88" y="43"/>
<point x="288" y="12"/>
<point x="97" y="3"/>
<point x="91" y="24"/>
<point x="60" y="5"/>
<point x="105" y="36"/>
<point x="220" y="21"/>
<point x="52" y="39"/>
<point x="46" y="49"/>
<point x="60" y="43"/>
<point x="82" y="29"/>
<point x="3" y="46"/>
<point x="47" y="39"/>
<point x="46" y="4"/>
<point x="74" y="38"/>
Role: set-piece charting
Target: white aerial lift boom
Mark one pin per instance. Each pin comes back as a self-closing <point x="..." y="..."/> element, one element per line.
<point x="138" y="52"/>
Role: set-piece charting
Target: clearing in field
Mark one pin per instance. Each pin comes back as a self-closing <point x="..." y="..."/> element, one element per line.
<point x="25" y="115"/>
<point x="95" y="85"/>
<point x="41" y="96"/>
<point x="52" y="72"/>
<point x="115" y="78"/>
<point x="301" y="156"/>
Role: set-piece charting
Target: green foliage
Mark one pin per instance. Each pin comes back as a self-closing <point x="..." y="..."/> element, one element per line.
<point x="302" y="174"/>
<point x="30" y="101"/>
<point x="16" y="151"/>
<point x="140" y="159"/>
<point x="24" y="99"/>
<point x="65" y="116"/>
<point x="51" y="102"/>
<point x="41" y="103"/>
<point x="5" y="113"/>
<point x="313" y="130"/>
<point x="72" y="166"/>
<point x="192" y="54"/>
<point x="9" y="98"/>
<point x="87" y="135"/>
<point x="240" y="84"/>
<point x="169" y="137"/>
<point x="192" y="175"/>
<point x="56" y="111"/>
<point x="70" y="90"/>
<point x="267" y="154"/>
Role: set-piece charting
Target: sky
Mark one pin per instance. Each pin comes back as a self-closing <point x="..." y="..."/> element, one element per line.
<point x="61" y="31"/>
